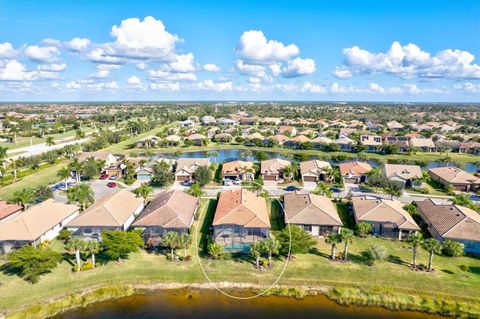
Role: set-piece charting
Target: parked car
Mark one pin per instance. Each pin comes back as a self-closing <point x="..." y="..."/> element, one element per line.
<point x="186" y="183"/>
<point x="111" y="184"/>
<point x="113" y="177"/>
<point x="292" y="188"/>
<point x="335" y="189"/>
<point x="103" y="176"/>
<point x="237" y="182"/>
<point x="227" y="182"/>
<point x="475" y="198"/>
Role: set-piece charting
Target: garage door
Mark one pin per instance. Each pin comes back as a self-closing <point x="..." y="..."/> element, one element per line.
<point x="350" y="180"/>
<point x="270" y="178"/>
<point x="309" y="178"/>
<point x="182" y="178"/>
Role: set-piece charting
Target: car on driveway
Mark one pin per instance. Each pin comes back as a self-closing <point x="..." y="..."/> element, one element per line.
<point x="103" y="176"/>
<point x="292" y="188"/>
<point x="227" y="182"/>
<point x="335" y="189"/>
<point x="113" y="177"/>
<point x="111" y="184"/>
<point x="237" y="182"/>
<point x="186" y="183"/>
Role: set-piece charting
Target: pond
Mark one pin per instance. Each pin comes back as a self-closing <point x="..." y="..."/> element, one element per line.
<point x="212" y="304"/>
<point x="234" y="154"/>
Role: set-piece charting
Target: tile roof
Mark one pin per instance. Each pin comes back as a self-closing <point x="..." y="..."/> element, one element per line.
<point x="354" y="168"/>
<point x="451" y="221"/>
<point x="169" y="209"/>
<point x="274" y="165"/>
<point x="241" y="207"/>
<point x="35" y="221"/>
<point x="111" y="210"/>
<point x="310" y="209"/>
<point x="8" y="209"/>
<point x="402" y="171"/>
<point x="455" y="175"/>
<point x="383" y="211"/>
<point x="314" y="167"/>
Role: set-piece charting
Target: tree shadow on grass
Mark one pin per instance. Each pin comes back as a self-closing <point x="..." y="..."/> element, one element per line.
<point x="205" y="231"/>
<point x="447" y="271"/>
<point x="315" y="251"/>
<point x="361" y="258"/>
<point x="8" y="270"/>
<point x="397" y="260"/>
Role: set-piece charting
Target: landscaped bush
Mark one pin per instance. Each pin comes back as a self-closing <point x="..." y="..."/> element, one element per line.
<point x="422" y="190"/>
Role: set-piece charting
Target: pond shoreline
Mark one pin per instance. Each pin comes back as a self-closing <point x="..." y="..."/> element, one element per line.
<point x="384" y="298"/>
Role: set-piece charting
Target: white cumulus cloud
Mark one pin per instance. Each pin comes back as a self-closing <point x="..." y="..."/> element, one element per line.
<point x="42" y="54"/>
<point x="211" y="67"/>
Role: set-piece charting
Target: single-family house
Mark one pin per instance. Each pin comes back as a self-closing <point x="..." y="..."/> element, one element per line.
<point x="450" y="221"/>
<point x="173" y="140"/>
<point x="171" y="210"/>
<point x="371" y="141"/>
<point x="314" y="213"/>
<point x="197" y="139"/>
<point x="114" y="211"/>
<point x="187" y="123"/>
<point x="345" y="143"/>
<point x="395" y="126"/>
<point x="272" y="169"/>
<point x="7" y="209"/>
<point x="287" y="130"/>
<point x="469" y="148"/>
<point x="455" y="177"/>
<point x="406" y="174"/>
<point x="296" y="141"/>
<point x="315" y="171"/>
<point x="238" y="170"/>
<point x="241" y="218"/>
<point x="424" y="144"/>
<point x="208" y="120"/>
<point x="38" y="223"/>
<point x="187" y="166"/>
<point x="108" y="158"/>
<point x="148" y="141"/>
<point x="387" y="217"/>
<point x="354" y="172"/>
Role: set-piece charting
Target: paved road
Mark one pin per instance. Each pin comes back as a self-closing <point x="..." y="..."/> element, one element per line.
<point x="36" y="149"/>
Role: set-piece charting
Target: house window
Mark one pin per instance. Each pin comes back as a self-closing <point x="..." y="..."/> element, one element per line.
<point x="307" y="228"/>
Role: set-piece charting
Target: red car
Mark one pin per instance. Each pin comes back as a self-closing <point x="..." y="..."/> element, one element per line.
<point x="104" y="176"/>
<point x="111" y="184"/>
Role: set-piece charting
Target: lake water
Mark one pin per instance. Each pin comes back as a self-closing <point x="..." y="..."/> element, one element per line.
<point x="211" y="304"/>
<point x="234" y="154"/>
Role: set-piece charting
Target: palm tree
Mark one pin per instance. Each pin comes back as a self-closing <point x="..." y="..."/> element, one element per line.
<point x="171" y="240"/>
<point x="82" y="195"/>
<point x="323" y="189"/>
<point x="433" y="246"/>
<point x="415" y="239"/>
<point x="144" y="191"/>
<point x="245" y="154"/>
<point x="13" y="165"/>
<point x="347" y="238"/>
<point x="79" y="134"/>
<point x="195" y="190"/>
<point x="75" y="246"/>
<point x="3" y="152"/>
<point x="64" y="174"/>
<point x="333" y="239"/>
<point x="92" y="247"/>
<point x="49" y="141"/>
<point x="23" y="197"/>
<point x="256" y="251"/>
<point x="77" y="167"/>
<point x="271" y="246"/>
<point x="215" y="155"/>
<point x="184" y="241"/>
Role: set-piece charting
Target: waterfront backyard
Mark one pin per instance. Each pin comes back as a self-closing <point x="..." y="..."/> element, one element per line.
<point x="454" y="279"/>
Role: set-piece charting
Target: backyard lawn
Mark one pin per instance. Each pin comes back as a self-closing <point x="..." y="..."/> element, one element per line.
<point x="459" y="277"/>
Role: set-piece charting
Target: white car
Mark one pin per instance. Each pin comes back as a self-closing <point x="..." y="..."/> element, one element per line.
<point x="227" y="182"/>
<point x="237" y="182"/>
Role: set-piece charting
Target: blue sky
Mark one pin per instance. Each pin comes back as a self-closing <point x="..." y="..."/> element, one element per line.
<point x="240" y="50"/>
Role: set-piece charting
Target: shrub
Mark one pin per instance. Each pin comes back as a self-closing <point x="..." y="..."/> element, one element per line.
<point x="452" y="248"/>
<point x="64" y="234"/>
<point x="374" y="253"/>
<point x="86" y="266"/>
<point x="363" y="229"/>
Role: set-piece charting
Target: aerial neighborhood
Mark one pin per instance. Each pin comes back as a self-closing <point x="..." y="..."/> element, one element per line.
<point x="240" y="185"/>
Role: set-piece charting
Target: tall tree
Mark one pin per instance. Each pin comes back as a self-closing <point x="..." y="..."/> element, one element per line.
<point x="93" y="247"/>
<point x="171" y="240"/>
<point x="64" y="174"/>
<point x="195" y="190"/>
<point x="118" y="244"/>
<point x="202" y="176"/>
<point x="49" y="141"/>
<point x="143" y="191"/>
<point x="347" y="238"/>
<point x="24" y="197"/>
<point x="82" y="195"/>
<point x="271" y="246"/>
<point x="256" y="251"/>
<point x="415" y="239"/>
<point x="433" y="246"/>
<point x="333" y="239"/>
<point x="30" y="263"/>
<point x="76" y="246"/>
<point x="184" y="240"/>
<point x="300" y="240"/>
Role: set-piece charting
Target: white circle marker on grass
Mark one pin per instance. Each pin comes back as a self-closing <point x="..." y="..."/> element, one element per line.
<point x="276" y="280"/>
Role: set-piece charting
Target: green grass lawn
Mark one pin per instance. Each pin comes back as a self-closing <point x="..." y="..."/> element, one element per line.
<point x="42" y="177"/>
<point x="459" y="277"/>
